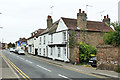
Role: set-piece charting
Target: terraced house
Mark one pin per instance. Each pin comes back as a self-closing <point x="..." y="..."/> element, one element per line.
<point x="33" y="42"/>
<point x="54" y="40"/>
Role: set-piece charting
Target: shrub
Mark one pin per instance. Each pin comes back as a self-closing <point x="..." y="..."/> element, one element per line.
<point x="85" y="52"/>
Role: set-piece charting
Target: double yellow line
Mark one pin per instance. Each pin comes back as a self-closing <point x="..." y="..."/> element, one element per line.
<point x="16" y="68"/>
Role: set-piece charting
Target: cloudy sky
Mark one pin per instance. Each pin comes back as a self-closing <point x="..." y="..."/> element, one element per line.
<point x="21" y="17"/>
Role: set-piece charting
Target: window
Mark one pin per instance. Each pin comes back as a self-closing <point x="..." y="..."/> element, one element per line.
<point x="51" y="38"/>
<point x="44" y="40"/>
<point x="59" y="52"/>
<point x="40" y="50"/>
<point x="65" y="51"/>
<point x="40" y="40"/>
<point x="64" y="36"/>
<point x="44" y="51"/>
<point x="51" y="50"/>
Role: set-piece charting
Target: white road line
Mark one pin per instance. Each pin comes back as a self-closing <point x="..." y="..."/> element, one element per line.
<point x="22" y="58"/>
<point x="17" y="56"/>
<point x="44" y="68"/>
<point x="29" y="61"/>
<point x="64" y="76"/>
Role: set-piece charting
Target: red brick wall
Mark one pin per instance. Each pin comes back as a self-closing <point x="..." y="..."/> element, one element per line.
<point x="108" y="57"/>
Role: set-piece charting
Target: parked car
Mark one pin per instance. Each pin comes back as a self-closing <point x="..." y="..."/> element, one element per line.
<point x="22" y="52"/>
<point x="93" y="61"/>
<point x="16" y="51"/>
<point x="11" y="50"/>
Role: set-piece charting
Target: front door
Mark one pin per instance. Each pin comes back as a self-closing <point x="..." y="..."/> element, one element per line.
<point x="36" y="51"/>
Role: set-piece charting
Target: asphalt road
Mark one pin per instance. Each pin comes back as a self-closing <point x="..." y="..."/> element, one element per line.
<point x="33" y="69"/>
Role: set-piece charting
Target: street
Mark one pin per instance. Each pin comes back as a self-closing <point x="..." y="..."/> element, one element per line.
<point x="31" y="69"/>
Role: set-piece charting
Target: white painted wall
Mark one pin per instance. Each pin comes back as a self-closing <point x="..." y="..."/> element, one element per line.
<point x="58" y="38"/>
<point x="61" y="26"/>
<point x="30" y="42"/>
<point x="43" y="46"/>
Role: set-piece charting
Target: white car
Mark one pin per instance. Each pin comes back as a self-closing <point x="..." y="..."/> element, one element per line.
<point x="11" y="50"/>
<point x="20" y="51"/>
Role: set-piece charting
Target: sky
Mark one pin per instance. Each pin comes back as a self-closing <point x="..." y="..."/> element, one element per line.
<point x="20" y="18"/>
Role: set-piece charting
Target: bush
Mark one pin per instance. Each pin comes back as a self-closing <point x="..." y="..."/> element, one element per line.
<point x="85" y="52"/>
<point x="113" y="37"/>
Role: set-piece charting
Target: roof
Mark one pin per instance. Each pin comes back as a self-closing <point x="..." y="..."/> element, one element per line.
<point x="52" y="28"/>
<point x="39" y="31"/>
<point x="91" y="25"/>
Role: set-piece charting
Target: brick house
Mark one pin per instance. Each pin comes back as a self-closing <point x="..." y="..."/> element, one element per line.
<point x="53" y="42"/>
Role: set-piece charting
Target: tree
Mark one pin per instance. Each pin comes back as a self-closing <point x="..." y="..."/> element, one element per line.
<point x="113" y="37"/>
<point x="11" y="45"/>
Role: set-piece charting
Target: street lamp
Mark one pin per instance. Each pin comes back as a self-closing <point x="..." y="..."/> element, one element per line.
<point x="0" y="40"/>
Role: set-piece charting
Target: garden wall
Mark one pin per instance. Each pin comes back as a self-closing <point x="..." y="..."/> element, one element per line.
<point x="108" y="57"/>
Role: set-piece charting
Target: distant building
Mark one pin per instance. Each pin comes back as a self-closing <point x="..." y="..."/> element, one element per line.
<point x="21" y="43"/>
<point x="3" y="45"/>
<point x="119" y="11"/>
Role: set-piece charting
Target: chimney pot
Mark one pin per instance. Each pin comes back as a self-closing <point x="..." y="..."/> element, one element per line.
<point x="83" y="11"/>
<point x="107" y="16"/>
<point x="79" y="10"/>
<point x="49" y="16"/>
<point x="104" y="17"/>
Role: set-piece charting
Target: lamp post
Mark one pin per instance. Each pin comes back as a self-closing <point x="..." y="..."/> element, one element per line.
<point x="0" y="40"/>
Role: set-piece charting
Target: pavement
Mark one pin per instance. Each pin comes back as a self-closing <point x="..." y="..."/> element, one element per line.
<point x="83" y="68"/>
<point x="6" y="70"/>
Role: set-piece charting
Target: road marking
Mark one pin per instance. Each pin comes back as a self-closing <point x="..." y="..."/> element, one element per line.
<point x="64" y="76"/>
<point x="22" y="58"/>
<point x="29" y="61"/>
<point x="68" y="68"/>
<point x="11" y="68"/>
<point x="17" y="69"/>
<point x="44" y="68"/>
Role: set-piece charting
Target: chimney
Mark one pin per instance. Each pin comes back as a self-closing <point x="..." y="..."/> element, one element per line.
<point x="106" y="19"/>
<point x="49" y="21"/>
<point x="82" y="20"/>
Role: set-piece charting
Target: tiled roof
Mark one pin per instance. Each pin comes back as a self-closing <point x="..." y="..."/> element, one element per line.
<point x="37" y="34"/>
<point x="52" y="28"/>
<point x="91" y="25"/>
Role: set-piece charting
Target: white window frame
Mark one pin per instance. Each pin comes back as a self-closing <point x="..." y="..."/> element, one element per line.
<point x="51" y="51"/>
<point x="40" y="40"/>
<point x="44" y="51"/>
<point x="59" y="51"/>
<point x="40" y="51"/>
<point x="65" y="51"/>
<point x="64" y="35"/>
<point x="44" y="40"/>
